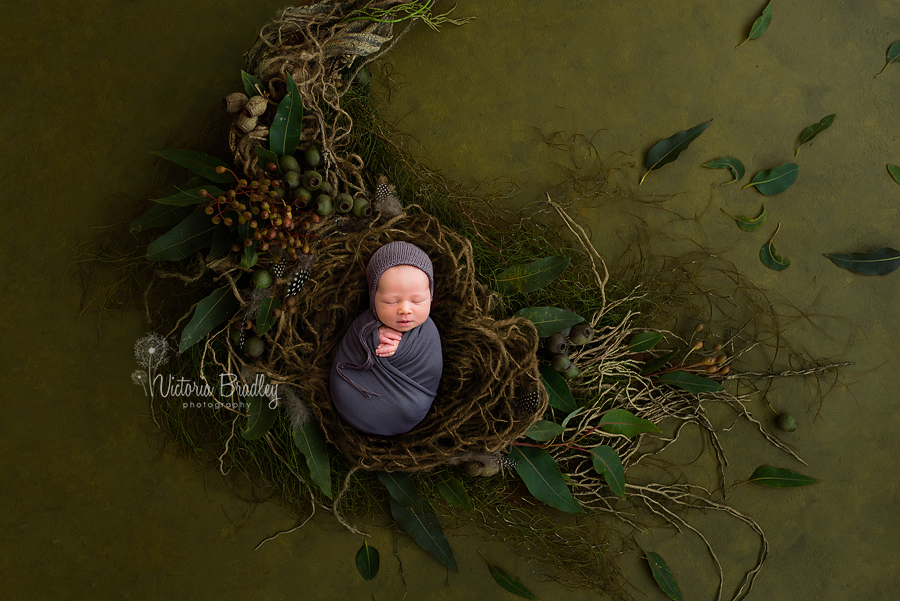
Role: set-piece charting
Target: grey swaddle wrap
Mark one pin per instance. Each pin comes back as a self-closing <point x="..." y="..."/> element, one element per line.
<point x="387" y="395"/>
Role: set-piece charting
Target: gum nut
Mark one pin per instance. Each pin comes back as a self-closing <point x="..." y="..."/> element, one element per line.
<point x="235" y="336"/>
<point x="288" y="163"/>
<point x="290" y="301"/>
<point x="254" y="346"/>
<point x="302" y="195"/>
<point x="312" y="180"/>
<point x="312" y="156"/>
<point x="364" y="76"/>
<point x="323" y="204"/>
<point x="556" y="343"/>
<point x="571" y="372"/>
<point x="292" y="179"/>
<point x="325" y="187"/>
<point x="292" y="310"/>
<point x="566" y="331"/>
<point x="560" y="362"/>
<point x="581" y="334"/>
<point x="344" y="202"/>
<point x="261" y="278"/>
<point x="787" y="422"/>
<point x="361" y="208"/>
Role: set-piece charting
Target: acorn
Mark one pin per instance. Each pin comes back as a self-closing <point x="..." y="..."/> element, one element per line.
<point x="254" y="347"/>
<point x="244" y="124"/>
<point x="292" y="179"/>
<point x="361" y="208"/>
<point x="556" y="343"/>
<point x="581" y="334"/>
<point x="287" y="163"/>
<point x="255" y="107"/>
<point x="786" y="422"/>
<point x="312" y="180"/>
<point x="234" y="102"/>
<point x="261" y="278"/>
<point x="312" y="156"/>
<point x="323" y="204"/>
<point x="560" y="362"/>
<point x="344" y="202"/>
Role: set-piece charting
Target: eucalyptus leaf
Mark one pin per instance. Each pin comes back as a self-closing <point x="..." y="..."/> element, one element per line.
<point x="688" y="381"/>
<point x="560" y="397"/>
<point x="654" y="365"/>
<point x="533" y="276"/>
<point x="544" y="430"/>
<point x="159" y="216"/>
<point x="193" y="233"/>
<point x="879" y="262"/>
<point x="775" y="180"/>
<point x="569" y="417"/>
<point x="284" y="133"/>
<point x="402" y="489"/>
<point x="424" y="528"/>
<point x="260" y="417"/>
<point x="608" y="464"/>
<point x="893" y="54"/>
<point x="264" y="318"/>
<point x="220" y="245"/>
<point x="666" y="151"/>
<point x="813" y="130"/>
<point x="894" y="170"/>
<point x="367" y="561"/>
<point x="200" y="163"/>
<point x="549" y="320"/>
<point x="190" y="196"/>
<point x="750" y="224"/>
<point x="759" y="25"/>
<point x="663" y="576"/>
<point x="250" y="83"/>
<point x="644" y="342"/>
<point x="543" y="478"/>
<point x="624" y="422"/>
<point x="777" y="477"/>
<point x="249" y="256"/>
<point x="770" y="257"/>
<point x="310" y="440"/>
<point x="509" y="583"/>
<point x="453" y="491"/>
<point x="210" y="312"/>
<point x="736" y="166"/>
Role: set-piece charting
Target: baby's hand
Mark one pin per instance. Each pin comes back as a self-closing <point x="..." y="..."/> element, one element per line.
<point x="388" y="340"/>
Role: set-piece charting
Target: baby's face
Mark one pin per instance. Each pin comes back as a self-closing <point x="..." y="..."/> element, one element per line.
<point x="403" y="297"/>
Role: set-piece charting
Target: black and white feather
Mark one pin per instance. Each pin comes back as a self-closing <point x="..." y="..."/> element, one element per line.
<point x="528" y="403"/>
<point x="295" y="284"/>
<point x="279" y="268"/>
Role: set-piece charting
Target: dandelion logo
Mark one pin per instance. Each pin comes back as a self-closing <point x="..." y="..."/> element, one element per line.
<point x="151" y="351"/>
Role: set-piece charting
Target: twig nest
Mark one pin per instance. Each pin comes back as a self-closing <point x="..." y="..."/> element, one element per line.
<point x="234" y="102"/>
<point x="255" y="107"/>
<point x="245" y="124"/>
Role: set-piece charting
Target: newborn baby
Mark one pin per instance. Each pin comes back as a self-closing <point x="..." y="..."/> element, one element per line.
<point x="388" y="367"/>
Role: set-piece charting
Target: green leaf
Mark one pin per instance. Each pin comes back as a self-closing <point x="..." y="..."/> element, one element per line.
<point x="893" y="54"/>
<point x="159" y="216"/>
<point x="311" y="442"/>
<point x="509" y="583"/>
<point x="894" y="170"/>
<point x="210" y="312"/>
<point x="666" y="151"/>
<point x="453" y="491"/>
<point x="544" y="430"/>
<point x="655" y="365"/>
<point x="260" y="417"/>
<point x="760" y="25"/>
<point x="622" y="421"/>
<point x="736" y="166"/>
<point x="424" y="528"/>
<point x="749" y="224"/>
<point x="284" y="134"/>
<point x="249" y="256"/>
<point x="663" y="577"/>
<point x="813" y="130"/>
<point x="264" y="318"/>
<point x="569" y="417"/>
<point x="549" y="320"/>
<point x="265" y="156"/>
<point x="644" y="342"/>
<point x="770" y="258"/>
<point x="401" y="488"/>
<point x="200" y="163"/>
<point x="777" y="477"/>
<point x="776" y="180"/>
<point x="221" y="242"/>
<point x="249" y="84"/>
<point x="367" y="561"/>
<point x="533" y="276"/>
<point x="557" y="389"/>
<point x="542" y="477"/>
<point x="608" y="464"/>
<point x="688" y="381"/>
<point x="193" y="233"/>
<point x="190" y="196"/>
<point x="882" y="261"/>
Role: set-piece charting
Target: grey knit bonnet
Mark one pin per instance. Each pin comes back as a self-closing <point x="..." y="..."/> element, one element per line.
<point x="391" y="255"/>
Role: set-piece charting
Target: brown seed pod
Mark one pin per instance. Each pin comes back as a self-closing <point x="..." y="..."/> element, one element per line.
<point x="234" y="102"/>
<point x="290" y="301"/>
<point x="255" y="107"/>
<point x="292" y="310"/>
<point x="244" y="124"/>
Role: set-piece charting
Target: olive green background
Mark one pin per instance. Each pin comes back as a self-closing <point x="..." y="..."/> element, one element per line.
<point x="90" y="511"/>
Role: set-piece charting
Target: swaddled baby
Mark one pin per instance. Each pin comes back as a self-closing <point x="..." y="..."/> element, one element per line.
<point x="388" y="367"/>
